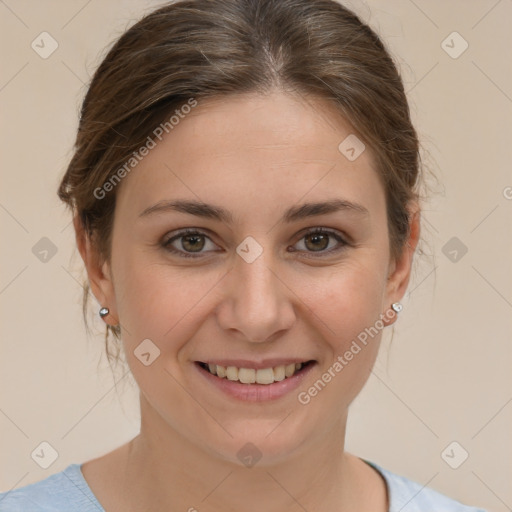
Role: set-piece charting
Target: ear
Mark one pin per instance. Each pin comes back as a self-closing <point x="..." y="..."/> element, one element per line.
<point x="98" y="272"/>
<point x="400" y="269"/>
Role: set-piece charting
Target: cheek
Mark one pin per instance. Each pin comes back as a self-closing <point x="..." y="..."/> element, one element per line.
<point x="162" y="305"/>
<point x="348" y="310"/>
<point x="348" y="299"/>
<point x="161" y="302"/>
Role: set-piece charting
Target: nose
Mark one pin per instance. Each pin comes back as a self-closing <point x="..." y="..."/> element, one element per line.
<point x="256" y="304"/>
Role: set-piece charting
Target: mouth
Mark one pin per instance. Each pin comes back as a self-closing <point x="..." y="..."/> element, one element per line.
<point x="263" y="376"/>
<point x="253" y="384"/>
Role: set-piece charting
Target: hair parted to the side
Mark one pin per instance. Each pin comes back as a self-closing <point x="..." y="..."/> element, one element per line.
<point x="205" y="49"/>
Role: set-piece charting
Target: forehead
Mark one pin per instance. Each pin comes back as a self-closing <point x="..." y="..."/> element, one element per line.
<point x="254" y="150"/>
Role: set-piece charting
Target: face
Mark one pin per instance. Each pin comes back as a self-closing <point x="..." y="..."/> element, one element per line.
<point x="268" y="283"/>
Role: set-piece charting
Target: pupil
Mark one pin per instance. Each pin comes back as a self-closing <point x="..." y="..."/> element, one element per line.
<point x="318" y="237"/>
<point x="187" y="239"/>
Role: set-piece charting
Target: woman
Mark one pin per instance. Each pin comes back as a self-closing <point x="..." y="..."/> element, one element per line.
<point x="245" y="199"/>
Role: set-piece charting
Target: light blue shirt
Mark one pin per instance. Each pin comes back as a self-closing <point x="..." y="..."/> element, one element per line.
<point x="68" y="491"/>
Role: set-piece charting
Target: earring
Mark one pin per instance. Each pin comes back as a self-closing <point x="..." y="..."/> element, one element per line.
<point x="397" y="307"/>
<point x="104" y="312"/>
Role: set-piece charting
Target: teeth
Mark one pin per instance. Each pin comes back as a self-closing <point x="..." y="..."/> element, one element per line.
<point x="289" y="369"/>
<point x="262" y="376"/>
<point x="279" y="373"/>
<point x="232" y="373"/>
<point x="247" y="375"/>
<point x="251" y="376"/>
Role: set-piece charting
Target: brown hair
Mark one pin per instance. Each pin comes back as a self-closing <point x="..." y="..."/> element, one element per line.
<point x="205" y="49"/>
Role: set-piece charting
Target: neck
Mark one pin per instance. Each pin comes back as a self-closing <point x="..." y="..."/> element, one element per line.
<point x="165" y="470"/>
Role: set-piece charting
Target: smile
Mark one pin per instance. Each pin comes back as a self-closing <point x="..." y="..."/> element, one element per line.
<point x="255" y="384"/>
<point x="252" y="375"/>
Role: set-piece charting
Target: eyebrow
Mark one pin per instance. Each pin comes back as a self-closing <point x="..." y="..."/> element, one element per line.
<point x="293" y="214"/>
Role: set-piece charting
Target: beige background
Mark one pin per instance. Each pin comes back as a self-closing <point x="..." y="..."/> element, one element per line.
<point x="447" y="375"/>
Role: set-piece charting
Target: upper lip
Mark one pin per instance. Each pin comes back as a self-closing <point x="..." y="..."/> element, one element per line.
<point x="256" y="365"/>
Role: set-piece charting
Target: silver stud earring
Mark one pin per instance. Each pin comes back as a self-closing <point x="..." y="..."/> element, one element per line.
<point x="397" y="307"/>
<point x="104" y="312"/>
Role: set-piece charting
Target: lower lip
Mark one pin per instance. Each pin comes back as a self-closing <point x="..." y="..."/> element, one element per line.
<point x="256" y="392"/>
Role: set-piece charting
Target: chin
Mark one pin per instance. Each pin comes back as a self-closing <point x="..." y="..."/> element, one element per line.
<point x="260" y="443"/>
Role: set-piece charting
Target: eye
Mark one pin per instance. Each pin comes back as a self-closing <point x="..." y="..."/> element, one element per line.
<point x="319" y="239"/>
<point x="192" y="243"/>
<point x="192" y="240"/>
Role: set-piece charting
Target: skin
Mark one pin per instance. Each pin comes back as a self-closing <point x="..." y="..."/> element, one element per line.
<point x="255" y="155"/>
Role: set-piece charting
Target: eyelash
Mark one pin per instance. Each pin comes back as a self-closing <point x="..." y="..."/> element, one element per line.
<point x="188" y="232"/>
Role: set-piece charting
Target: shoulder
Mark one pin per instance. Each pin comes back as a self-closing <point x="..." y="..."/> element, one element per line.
<point x="59" y="492"/>
<point x="408" y="496"/>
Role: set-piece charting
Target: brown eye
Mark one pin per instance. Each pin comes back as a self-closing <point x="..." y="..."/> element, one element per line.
<point x="192" y="243"/>
<point x="189" y="244"/>
<point x="318" y="240"/>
